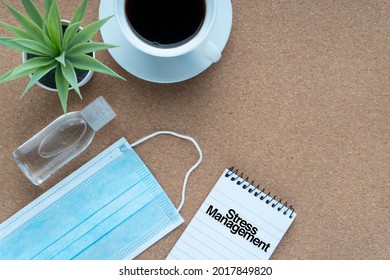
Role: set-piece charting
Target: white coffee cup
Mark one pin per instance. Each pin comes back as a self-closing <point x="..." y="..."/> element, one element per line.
<point x="199" y="43"/>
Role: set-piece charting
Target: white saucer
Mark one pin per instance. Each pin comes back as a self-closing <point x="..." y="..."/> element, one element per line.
<point x="162" y="70"/>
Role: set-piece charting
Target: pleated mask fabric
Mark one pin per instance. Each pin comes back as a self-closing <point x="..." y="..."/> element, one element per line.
<point x="110" y="208"/>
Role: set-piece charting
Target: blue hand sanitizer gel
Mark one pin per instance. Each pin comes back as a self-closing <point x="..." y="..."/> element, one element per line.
<point x="61" y="141"/>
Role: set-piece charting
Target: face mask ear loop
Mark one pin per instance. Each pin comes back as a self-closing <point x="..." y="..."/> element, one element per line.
<point x="189" y="171"/>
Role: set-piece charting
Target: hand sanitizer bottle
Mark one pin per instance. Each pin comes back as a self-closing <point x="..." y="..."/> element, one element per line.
<point x="61" y="141"/>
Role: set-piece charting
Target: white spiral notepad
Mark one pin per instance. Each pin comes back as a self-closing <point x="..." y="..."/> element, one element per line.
<point x="236" y="221"/>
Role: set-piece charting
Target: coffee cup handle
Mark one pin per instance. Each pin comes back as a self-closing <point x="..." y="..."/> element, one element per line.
<point x="209" y="51"/>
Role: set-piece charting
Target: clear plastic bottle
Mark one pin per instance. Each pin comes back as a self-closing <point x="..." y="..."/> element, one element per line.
<point x="61" y="141"/>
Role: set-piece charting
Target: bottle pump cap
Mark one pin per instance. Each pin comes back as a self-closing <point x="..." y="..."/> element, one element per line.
<point x="98" y="113"/>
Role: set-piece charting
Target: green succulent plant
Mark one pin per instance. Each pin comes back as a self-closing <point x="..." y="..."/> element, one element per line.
<point x="53" y="49"/>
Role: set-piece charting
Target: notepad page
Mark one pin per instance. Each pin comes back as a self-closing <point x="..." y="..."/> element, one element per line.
<point x="233" y="224"/>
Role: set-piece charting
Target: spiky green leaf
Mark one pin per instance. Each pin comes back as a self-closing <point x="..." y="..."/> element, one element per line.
<point x="10" y="42"/>
<point x="31" y="27"/>
<point x="85" y="62"/>
<point x="46" y="6"/>
<point x="47" y="40"/>
<point x="88" y="32"/>
<point x="54" y="26"/>
<point x="89" y="47"/>
<point x="22" y="73"/>
<point x="80" y="12"/>
<point x="38" y="74"/>
<point x="29" y="67"/>
<point x="61" y="58"/>
<point x="34" y="45"/>
<point x="4" y="78"/>
<point x="17" y="32"/>
<point x="69" y="34"/>
<point x="62" y="87"/>
<point x="33" y="12"/>
<point x="70" y="75"/>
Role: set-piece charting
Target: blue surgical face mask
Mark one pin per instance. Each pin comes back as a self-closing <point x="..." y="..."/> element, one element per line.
<point x="110" y="208"/>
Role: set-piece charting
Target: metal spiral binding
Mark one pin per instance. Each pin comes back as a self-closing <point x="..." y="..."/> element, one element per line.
<point x="259" y="191"/>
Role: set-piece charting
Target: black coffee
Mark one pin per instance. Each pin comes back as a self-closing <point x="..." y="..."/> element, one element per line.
<point x="165" y="23"/>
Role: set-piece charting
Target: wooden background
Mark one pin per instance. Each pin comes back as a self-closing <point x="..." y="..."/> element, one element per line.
<point x="300" y="101"/>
